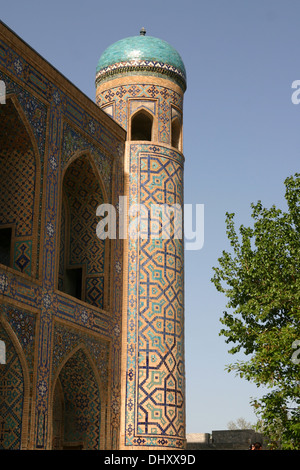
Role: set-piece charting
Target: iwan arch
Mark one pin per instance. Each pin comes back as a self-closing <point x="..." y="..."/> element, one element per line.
<point x="92" y="330"/>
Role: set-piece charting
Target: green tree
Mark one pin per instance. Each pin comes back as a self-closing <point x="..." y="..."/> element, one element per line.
<point x="240" y="423"/>
<point x="261" y="279"/>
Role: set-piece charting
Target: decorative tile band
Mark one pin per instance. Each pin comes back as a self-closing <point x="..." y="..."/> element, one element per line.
<point x="143" y="65"/>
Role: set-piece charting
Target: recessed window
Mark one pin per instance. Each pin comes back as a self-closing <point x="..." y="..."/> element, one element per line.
<point x="5" y="245"/>
<point x="73" y="282"/>
<point x="176" y="131"/>
<point x="141" y="126"/>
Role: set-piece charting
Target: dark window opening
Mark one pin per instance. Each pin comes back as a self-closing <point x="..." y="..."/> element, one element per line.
<point x="5" y="245"/>
<point x="141" y="127"/>
<point x="73" y="282"/>
<point x="175" y="133"/>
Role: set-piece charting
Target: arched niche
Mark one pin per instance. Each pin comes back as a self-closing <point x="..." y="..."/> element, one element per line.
<point x="19" y="195"/>
<point x="83" y="271"/>
<point x="14" y="391"/>
<point x="176" y="133"/>
<point x="78" y="405"/>
<point x="141" y="126"/>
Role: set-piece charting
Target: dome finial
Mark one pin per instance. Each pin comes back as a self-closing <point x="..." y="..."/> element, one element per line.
<point x="142" y="32"/>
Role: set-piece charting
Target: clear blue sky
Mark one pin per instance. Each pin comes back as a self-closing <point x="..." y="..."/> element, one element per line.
<point x="241" y="135"/>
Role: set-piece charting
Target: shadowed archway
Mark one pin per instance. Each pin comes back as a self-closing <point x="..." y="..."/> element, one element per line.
<point x="82" y="263"/>
<point x="77" y="405"/>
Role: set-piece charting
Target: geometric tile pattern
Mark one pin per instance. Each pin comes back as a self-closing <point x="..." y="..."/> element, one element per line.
<point x="35" y="115"/>
<point x="155" y="390"/>
<point x="17" y="181"/>
<point x="74" y="141"/>
<point x="62" y="249"/>
<point x="63" y="121"/>
<point x="11" y="397"/>
<point x="95" y="291"/>
<point x="82" y="406"/>
<point x="155" y="386"/>
<point x="17" y="176"/>
<point x="82" y="197"/>
<point x="161" y="378"/>
<point x="68" y="339"/>
<point x="121" y="94"/>
<point x="22" y="256"/>
<point x="23" y="324"/>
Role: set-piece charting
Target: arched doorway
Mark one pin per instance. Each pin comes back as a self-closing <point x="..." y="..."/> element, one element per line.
<point x="77" y="405"/>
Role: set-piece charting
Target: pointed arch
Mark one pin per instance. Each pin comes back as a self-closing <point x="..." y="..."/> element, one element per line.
<point x="82" y="261"/>
<point x="20" y="174"/>
<point x="141" y="125"/>
<point x="86" y="153"/>
<point x="83" y="402"/>
<point x="14" y="415"/>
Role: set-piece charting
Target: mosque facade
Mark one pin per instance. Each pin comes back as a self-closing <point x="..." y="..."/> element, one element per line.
<point x="91" y="250"/>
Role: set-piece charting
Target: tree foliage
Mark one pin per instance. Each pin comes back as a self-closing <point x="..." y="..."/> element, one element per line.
<point x="240" y="423"/>
<point x="261" y="279"/>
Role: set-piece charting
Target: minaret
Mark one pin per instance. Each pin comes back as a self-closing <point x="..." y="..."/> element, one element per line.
<point x="140" y="83"/>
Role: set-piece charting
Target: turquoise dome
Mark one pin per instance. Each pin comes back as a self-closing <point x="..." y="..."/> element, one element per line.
<point x="141" y="53"/>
